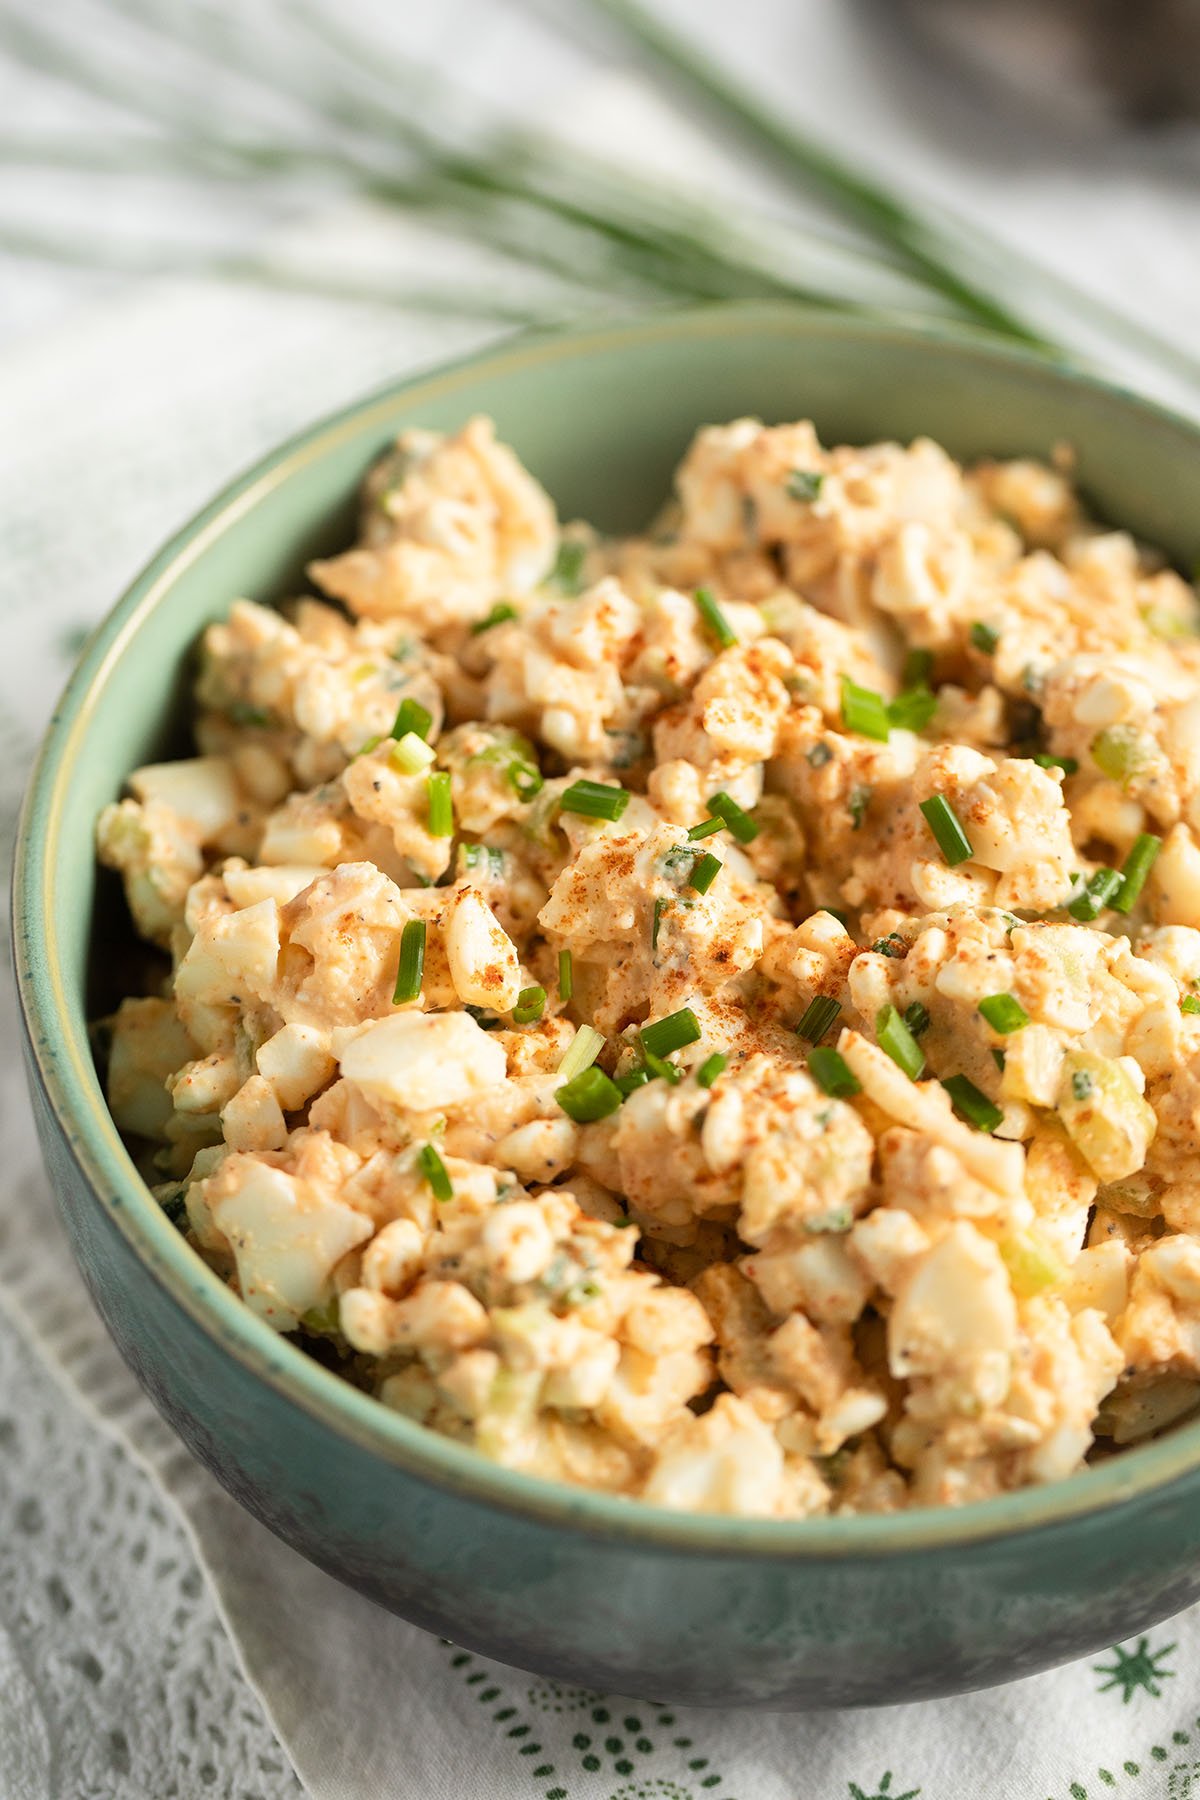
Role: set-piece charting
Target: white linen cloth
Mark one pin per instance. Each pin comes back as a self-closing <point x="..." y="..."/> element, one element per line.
<point x="115" y="1680"/>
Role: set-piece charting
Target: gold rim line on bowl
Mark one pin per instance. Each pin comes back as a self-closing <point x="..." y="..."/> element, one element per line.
<point x="98" y="1149"/>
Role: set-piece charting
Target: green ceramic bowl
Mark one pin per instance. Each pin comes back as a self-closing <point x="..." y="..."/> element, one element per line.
<point x="581" y="1586"/>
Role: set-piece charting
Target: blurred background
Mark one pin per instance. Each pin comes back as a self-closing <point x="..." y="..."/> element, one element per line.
<point x="218" y="221"/>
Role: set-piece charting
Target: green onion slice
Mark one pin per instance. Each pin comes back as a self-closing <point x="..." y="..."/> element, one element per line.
<point x="805" y="484"/>
<point x="1190" y="1003"/>
<point x="895" y="1037"/>
<point x="672" y="1033"/>
<point x="660" y="1067"/>
<point x="918" y="667"/>
<point x="973" y="1105"/>
<point x="942" y="820"/>
<point x="566" y="975"/>
<point x="632" y="1079"/>
<point x="912" y="709"/>
<point x="715" y="622"/>
<point x="434" y="1170"/>
<point x="864" y="711"/>
<point x="916" y="1017"/>
<point x="588" y="1096"/>
<point x="595" y="800"/>
<point x="412" y="962"/>
<point x="819" y="1015"/>
<point x="410" y="754"/>
<point x="1134" y="870"/>
<point x="531" y="1004"/>
<point x="567" y="573"/>
<point x="741" y="824"/>
<point x="413" y="717"/>
<point x="1004" y="1013"/>
<point x="1044" y="760"/>
<point x="711" y="1067"/>
<point x="832" y="1073"/>
<point x="705" y="829"/>
<point x="984" y="637"/>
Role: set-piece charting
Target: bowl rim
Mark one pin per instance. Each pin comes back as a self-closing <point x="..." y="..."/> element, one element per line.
<point x="61" y="1058"/>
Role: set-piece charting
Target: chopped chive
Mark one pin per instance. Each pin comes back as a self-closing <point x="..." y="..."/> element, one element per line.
<point x="434" y="1170"/>
<point x="704" y="872"/>
<point x="672" y="1033"/>
<point x="531" y="1004"/>
<point x="741" y="824"/>
<point x="1004" y="1013"/>
<point x="895" y="1037"/>
<point x="371" y="744"/>
<point x="999" y="1058"/>
<point x="832" y="1073"/>
<point x="715" y="622"/>
<point x="819" y="1015"/>
<point x="441" y="806"/>
<point x="174" y="1205"/>
<point x="567" y="573"/>
<point x="864" y="711"/>
<point x="410" y="754"/>
<point x="1082" y="1084"/>
<point x="1067" y="764"/>
<point x="632" y="1079"/>
<point x="566" y="975"/>
<point x="1134" y="870"/>
<point x="942" y="820"/>
<point x="595" y="800"/>
<point x="412" y="962"/>
<point x="525" y="778"/>
<point x="581" y="1052"/>
<point x="972" y="1105"/>
<point x="1099" y="892"/>
<point x="660" y="906"/>
<point x="1190" y="1003"/>
<point x="500" y="614"/>
<point x="805" y="484"/>
<point x="588" y="1096"/>
<point x="711" y="1067"/>
<point x="857" y="804"/>
<point x="705" y="829"/>
<point x="413" y="717"/>
<point x="916" y="1017"/>
<point x="912" y="709"/>
<point x="658" y="1066"/>
<point x="918" y="667"/>
<point x="984" y="638"/>
<point x="891" y="945"/>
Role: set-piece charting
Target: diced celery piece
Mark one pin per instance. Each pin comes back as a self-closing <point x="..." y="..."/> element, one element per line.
<point x="1106" y="1118"/>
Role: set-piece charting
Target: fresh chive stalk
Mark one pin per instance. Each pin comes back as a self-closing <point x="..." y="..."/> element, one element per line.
<point x="435" y="1172"/>
<point x="864" y="711"/>
<point x="895" y="1037"/>
<point x="567" y="573"/>
<point x="832" y="1073"/>
<point x="631" y="1080"/>
<point x="819" y="1015"/>
<point x="566" y="976"/>
<point x="742" y="825"/>
<point x="715" y="622"/>
<point x="589" y="1096"/>
<point x="805" y="484"/>
<point x="705" y="829"/>
<point x="659" y="1068"/>
<point x="916" y="1017"/>
<point x="985" y="638"/>
<point x="672" y="1033"/>
<point x="1190" y="1003"/>
<point x="918" y="669"/>
<point x="581" y="1052"/>
<point x="1068" y="764"/>
<point x="711" y="1067"/>
<point x="595" y="800"/>
<point x="912" y="708"/>
<point x="972" y="1105"/>
<point x="1004" y="1013"/>
<point x="500" y="614"/>
<point x="951" y="839"/>
<point x="1134" y="870"/>
<point x="531" y="1004"/>
<point x="412" y="962"/>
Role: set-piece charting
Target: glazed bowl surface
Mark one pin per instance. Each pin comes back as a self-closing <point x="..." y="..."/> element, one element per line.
<point x="583" y="1586"/>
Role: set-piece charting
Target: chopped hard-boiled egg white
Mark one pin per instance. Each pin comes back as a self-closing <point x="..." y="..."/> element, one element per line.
<point x="714" y="1015"/>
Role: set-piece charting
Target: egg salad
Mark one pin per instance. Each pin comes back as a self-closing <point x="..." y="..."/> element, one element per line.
<point x="712" y="1016"/>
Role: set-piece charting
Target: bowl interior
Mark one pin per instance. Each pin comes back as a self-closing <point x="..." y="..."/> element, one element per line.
<point x="601" y="418"/>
